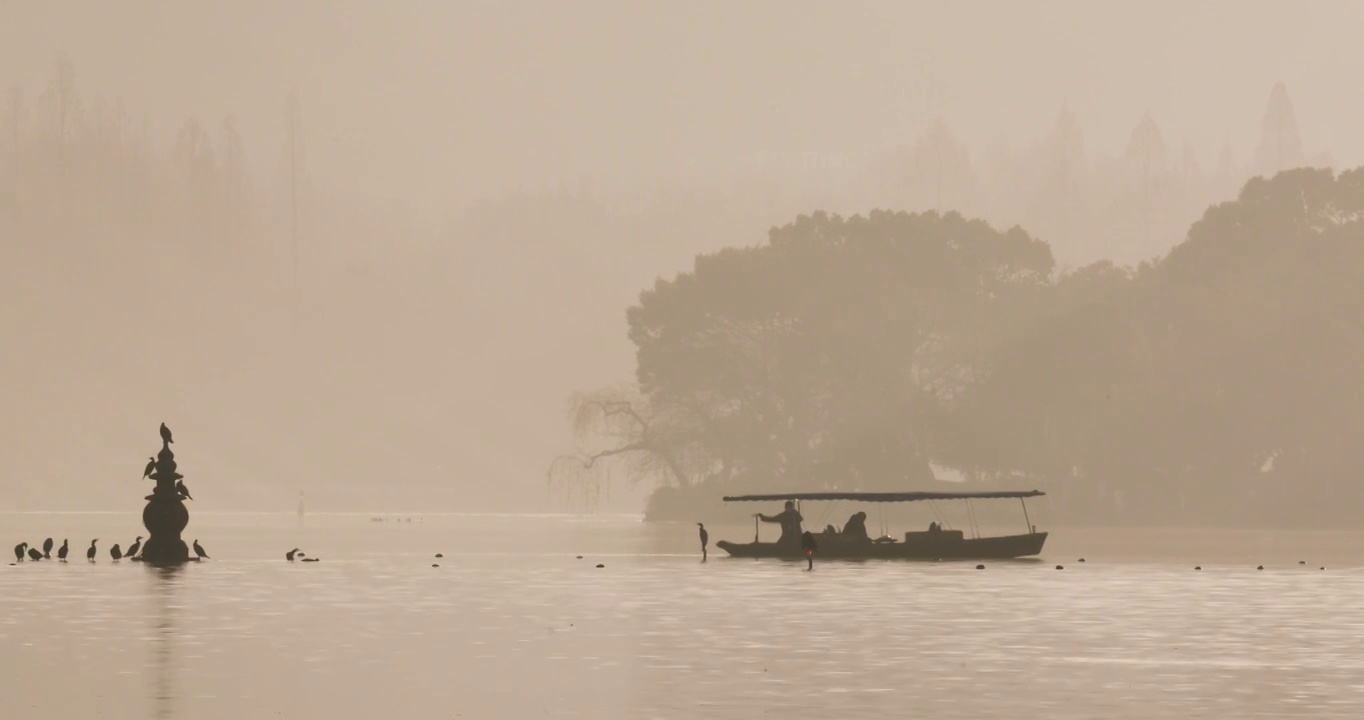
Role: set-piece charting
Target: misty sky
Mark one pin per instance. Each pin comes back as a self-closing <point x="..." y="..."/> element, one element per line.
<point x="435" y="102"/>
<point x="411" y="110"/>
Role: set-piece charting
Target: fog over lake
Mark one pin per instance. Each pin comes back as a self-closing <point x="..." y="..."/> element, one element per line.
<point x="485" y="309"/>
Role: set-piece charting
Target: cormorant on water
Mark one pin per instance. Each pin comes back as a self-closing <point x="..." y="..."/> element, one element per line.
<point x="114" y="552"/>
<point x="19" y="551"/>
<point x="90" y="554"/>
<point x="151" y="465"/>
<point x="166" y="434"/>
<point x="198" y="550"/>
<point x="132" y="549"/>
<point x="33" y="553"/>
<point x="809" y="547"/>
<point x="47" y="549"/>
<point x="290" y="555"/>
<point x="61" y="551"/>
<point x="705" y="538"/>
<point x="180" y="487"/>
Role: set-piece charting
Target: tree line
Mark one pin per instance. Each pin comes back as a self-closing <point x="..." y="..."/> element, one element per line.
<point x="1218" y="383"/>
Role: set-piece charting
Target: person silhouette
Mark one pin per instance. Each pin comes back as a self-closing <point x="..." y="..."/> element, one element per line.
<point x="705" y="538"/>
<point x="790" y="523"/>
<point x="856" y="527"/>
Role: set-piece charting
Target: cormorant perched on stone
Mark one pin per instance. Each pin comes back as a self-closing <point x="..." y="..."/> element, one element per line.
<point x="180" y="488"/>
<point x="705" y="538"/>
<point x="19" y="551"/>
<point x="33" y="553"/>
<point x="198" y="550"/>
<point x="290" y="555"/>
<point x="114" y="552"/>
<point x="151" y="465"/>
<point x="132" y="549"/>
<point x="166" y="434"/>
<point x="90" y="554"/>
<point x="47" y="549"/>
<point x="61" y="551"/>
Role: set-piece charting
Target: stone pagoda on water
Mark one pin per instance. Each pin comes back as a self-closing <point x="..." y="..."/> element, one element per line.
<point x="165" y="515"/>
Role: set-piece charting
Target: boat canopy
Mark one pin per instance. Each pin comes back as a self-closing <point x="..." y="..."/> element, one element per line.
<point x="887" y="496"/>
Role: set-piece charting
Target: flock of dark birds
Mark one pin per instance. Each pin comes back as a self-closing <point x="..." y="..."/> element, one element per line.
<point x="23" y="551"/>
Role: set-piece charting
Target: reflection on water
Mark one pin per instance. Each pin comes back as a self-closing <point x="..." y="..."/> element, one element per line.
<point x="164" y="609"/>
<point x="512" y="625"/>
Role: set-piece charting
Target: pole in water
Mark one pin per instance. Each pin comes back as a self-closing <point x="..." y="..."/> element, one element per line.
<point x="755" y="528"/>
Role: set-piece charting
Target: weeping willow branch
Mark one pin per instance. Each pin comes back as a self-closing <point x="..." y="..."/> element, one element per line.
<point x="619" y="428"/>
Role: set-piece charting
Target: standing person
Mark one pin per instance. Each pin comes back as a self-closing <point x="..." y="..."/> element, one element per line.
<point x="809" y="546"/>
<point x="705" y="538"/>
<point x="790" y="524"/>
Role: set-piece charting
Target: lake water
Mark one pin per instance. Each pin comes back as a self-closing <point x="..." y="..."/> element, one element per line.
<point x="513" y="625"/>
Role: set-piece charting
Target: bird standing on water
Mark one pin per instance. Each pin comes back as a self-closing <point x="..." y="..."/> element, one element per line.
<point x="19" y="551"/>
<point x="61" y="551"/>
<point x="90" y="554"/>
<point x="705" y="538"/>
<point x="115" y="553"/>
<point x="180" y="488"/>
<point x="199" y="550"/>
<point x="166" y="434"/>
<point x="132" y="549"/>
<point x="47" y="549"/>
<point x="151" y="465"/>
<point x="33" y="553"/>
<point x="809" y="547"/>
<point x="290" y="555"/>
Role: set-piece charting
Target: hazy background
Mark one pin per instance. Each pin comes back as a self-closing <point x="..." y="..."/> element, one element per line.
<point x="485" y="187"/>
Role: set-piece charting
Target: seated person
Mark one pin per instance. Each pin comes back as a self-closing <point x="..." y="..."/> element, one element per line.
<point x="856" y="527"/>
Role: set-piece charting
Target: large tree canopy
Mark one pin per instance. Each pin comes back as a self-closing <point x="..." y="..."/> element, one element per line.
<point x="832" y="355"/>
<point x="1221" y="382"/>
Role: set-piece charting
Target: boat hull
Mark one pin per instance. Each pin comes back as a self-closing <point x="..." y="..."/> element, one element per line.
<point x="916" y="546"/>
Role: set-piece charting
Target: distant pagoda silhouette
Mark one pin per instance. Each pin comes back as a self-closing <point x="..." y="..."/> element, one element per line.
<point x="165" y="515"/>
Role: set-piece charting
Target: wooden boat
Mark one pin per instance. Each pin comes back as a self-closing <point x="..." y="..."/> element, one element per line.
<point x="933" y="544"/>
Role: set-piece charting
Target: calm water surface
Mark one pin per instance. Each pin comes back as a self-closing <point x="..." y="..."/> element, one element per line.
<point x="513" y="625"/>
